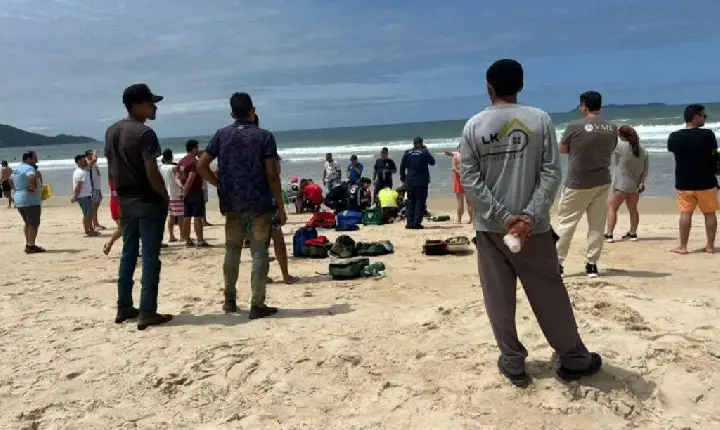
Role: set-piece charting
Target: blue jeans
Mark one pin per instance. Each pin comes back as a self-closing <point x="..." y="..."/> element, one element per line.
<point x="416" y="202"/>
<point x="256" y="226"/>
<point x="141" y="221"/>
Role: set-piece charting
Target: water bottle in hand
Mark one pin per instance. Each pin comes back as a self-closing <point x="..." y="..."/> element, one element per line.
<point x="512" y="242"/>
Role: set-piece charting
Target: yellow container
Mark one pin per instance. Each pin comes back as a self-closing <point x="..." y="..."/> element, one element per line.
<point x="46" y="191"/>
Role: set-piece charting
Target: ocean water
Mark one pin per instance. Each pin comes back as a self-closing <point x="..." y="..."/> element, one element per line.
<point x="303" y="151"/>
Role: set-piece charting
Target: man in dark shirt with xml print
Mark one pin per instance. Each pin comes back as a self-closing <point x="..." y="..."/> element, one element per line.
<point x="248" y="184"/>
<point x="131" y="149"/>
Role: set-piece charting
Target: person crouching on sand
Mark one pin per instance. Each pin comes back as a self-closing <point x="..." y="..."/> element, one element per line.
<point x="629" y="174"/>
<point x="512" y="194"/>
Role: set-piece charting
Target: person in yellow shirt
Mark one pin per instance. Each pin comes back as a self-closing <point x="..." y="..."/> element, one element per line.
<point x="388" y="199"/>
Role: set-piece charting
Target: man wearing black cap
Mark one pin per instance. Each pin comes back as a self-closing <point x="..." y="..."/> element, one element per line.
<point x="415" y="175"/>
<point x="132" y="149"/>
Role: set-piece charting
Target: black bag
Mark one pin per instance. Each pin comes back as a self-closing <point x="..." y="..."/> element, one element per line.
<point x="314" y="251"/>
<point x="349" y="269"/>
<point x="344" y="247"/>
<point x="435" y="247"/>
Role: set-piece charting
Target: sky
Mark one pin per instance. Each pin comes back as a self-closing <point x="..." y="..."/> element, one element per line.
<point x="322" y="63"/>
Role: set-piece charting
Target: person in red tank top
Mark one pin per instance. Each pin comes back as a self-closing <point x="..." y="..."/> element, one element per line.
<point x="115" y="214"/>
<point x="312" y="196"/>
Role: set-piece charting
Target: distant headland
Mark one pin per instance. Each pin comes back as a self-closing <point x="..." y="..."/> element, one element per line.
<point x="11" y="137"/>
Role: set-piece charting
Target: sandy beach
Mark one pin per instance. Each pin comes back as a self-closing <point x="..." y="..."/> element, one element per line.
<point x="413" y="350"/>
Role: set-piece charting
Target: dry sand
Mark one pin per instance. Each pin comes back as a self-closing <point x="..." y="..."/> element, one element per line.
<point x="413" y="350"/>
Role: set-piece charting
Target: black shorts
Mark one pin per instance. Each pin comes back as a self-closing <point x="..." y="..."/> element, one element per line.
<point x="31" y="215"/>
<point x="5" y="186"/>
<point x="194" y="204"/>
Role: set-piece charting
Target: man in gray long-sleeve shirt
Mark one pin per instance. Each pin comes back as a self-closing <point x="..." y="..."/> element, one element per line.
<point x="510" y="170"/>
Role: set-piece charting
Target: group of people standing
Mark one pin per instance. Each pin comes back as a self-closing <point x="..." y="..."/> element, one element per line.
<point x="507" y="165"/>
<point x="414" y="176"/>
<point x="607" y="166"/>
<point x="87" y="191"/>
<point x="510" y="170"/>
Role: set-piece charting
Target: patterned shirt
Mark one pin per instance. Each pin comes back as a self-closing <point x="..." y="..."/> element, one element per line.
<point x="241" y="150"/>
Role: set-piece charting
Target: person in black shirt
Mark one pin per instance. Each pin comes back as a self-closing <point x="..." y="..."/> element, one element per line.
<point x="382" y="173"/>
<point x="695" y="151"/>
<point x="132" y="149"/>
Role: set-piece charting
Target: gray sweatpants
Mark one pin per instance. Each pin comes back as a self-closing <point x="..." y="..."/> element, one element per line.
<point x="536" y="265"/>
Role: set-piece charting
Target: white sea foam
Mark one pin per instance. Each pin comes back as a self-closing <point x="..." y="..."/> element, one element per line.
<point x="652" y="136"/>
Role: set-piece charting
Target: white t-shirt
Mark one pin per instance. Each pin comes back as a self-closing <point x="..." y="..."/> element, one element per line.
<point x="95" y="177"/>
<point x="168" y="174"/>
<point x="332" y="171"/>
<point x="82" y="175"/>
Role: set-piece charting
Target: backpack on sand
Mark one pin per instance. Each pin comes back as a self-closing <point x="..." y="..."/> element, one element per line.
<point x="373" y="249"/>
<point x="349" y="269"/>
<point x="322" y="220"/>
<point x="435" y="247"/>
<point x="349" y="220"/>
<point x="344" y="247"/>
<point x="302" y="235"/>
<point x="314" y="251"/>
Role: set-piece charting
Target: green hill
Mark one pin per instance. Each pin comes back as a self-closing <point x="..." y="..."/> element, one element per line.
<point x="11" y="137"/>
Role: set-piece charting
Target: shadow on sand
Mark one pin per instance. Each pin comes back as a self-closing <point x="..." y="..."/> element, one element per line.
<point x="610" y="379"/>
<point x="242" y="317"/>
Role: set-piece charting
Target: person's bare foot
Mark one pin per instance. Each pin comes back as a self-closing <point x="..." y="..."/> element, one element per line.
<point x="680" y="250"/>
<point x="709" y="249"/>
<point x="93" y="233"/>
<point x="289" y="279"/>
<point x="173" y="239"/>
<point x="269" y="280"/>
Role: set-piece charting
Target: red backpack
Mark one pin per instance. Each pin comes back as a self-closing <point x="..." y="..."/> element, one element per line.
<point x="322" y="220"/>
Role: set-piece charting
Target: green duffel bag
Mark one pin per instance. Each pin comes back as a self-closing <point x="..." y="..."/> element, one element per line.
<point x="314" y="251"/>
<point x="373" y="249"/>
<point x="349" y="269"/>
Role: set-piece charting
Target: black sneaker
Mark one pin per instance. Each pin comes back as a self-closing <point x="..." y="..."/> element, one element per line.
<point x="125" y="314"/>
<point x="631" y="237"/>
<point x="591" y="270"/>
<point x="147" y="320"/>
<point x="573" y="375"/>
<point x="230" y="307"/>
<point x="520" y="380"/>
<point x="33" y="249"/>
<point x="261" y="311"/>
<point x="610" y="239"/>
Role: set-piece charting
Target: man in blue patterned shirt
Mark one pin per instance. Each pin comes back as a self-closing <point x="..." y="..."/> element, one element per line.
<point x="247" y="182"/>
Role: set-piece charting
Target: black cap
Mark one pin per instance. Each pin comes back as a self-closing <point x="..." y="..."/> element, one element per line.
<point x="418" y="140"/>
<point x="138" y="93"/>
